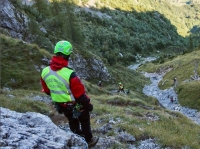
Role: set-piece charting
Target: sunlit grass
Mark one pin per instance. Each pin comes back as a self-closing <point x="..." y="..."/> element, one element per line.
<point x="176" y="133"/>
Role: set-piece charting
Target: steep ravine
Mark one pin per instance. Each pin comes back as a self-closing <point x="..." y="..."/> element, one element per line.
<point x="163" y="96"/>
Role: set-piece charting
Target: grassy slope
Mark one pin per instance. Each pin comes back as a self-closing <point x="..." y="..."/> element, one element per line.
<point x="182" y="68"/>
<point x="133" y="109"/>
<point x="20" y="63"/>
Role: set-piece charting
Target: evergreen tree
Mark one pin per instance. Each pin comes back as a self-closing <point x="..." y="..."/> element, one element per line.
<point x="42" y="7"/>
<point x="191" y="42"/>
<point x="33" y="27"/>
<point x="55" y="7"/>
<point x="73" y="24"/>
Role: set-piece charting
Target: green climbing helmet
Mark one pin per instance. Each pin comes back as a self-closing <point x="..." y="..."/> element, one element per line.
<point x="64" y="47"/>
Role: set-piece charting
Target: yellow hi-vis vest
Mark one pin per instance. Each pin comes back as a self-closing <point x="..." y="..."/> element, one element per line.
<point x="121" y="86"/>
<point x="58" y="84"/>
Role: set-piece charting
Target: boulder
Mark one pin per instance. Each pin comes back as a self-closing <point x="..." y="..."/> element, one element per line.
<point x="34" y="130"/>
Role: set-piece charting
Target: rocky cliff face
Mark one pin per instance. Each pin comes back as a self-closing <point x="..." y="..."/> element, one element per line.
<point x="14" y="22"/>
<point x="34" y="130"/>
<point x="90" y="68"/>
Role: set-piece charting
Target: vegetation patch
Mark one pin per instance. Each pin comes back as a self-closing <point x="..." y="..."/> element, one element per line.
<point x="189" y="94"/>
<point x="21" y="64"/>
<point x="18" y="101"/>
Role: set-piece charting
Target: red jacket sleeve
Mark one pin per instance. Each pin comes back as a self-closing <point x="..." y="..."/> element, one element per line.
<point x="44" y="86"/>
<point x="78" y="90"/>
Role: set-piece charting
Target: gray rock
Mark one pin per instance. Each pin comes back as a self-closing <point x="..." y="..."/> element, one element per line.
<point x="90" y="68"/>
<point x="124" y="137"/>
<point x="13" y="21"/>
<point x="34" y="130"/>
<point x="105" y="128"/>
<point x="149" y="144"/>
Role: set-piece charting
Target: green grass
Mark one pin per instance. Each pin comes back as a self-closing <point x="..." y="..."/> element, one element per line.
<point x="131" y="79"/>
<point x="189" y="94"/>
<point x="176" y="132"/>
<point x="182" y="62"/>
<point x="20" y="101"/>
<point x="171" y="130"/>
<point x="20" y="67"/>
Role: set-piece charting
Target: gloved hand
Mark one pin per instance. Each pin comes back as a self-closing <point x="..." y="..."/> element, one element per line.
<point x="88" y="107"/>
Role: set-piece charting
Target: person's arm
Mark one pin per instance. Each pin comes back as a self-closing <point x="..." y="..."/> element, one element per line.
<point x="44" y="86"/>
<point x="78" y="91"/>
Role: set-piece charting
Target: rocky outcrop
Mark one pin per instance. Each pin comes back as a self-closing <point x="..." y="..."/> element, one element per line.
<point x="13" y="21"/>
<point x="34" y="130"/>
<point x="90" y="68"/>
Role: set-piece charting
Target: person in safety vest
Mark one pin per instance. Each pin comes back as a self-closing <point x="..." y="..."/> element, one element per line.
<point x="121" y="87"/>
<point x="68" y="93"/>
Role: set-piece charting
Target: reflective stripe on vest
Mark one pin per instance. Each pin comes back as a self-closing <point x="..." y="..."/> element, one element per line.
<point x="58" y="95"/>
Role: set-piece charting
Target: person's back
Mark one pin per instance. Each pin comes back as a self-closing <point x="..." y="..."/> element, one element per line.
<point x="121" y="87"/>
<point x="67" y="92"/>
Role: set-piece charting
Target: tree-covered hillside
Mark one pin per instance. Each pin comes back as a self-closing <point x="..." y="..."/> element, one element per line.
<point x="108" y="28"/>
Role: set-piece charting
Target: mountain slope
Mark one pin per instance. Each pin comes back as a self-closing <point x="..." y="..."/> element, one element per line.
<point x="134" y="115"/>
<point x="131" y="28"/>
<point x="20" y="67"/>
<point x="118" y="114"/>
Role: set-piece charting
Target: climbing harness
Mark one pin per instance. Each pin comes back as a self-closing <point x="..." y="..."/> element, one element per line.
<point x="77" y="110"/>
